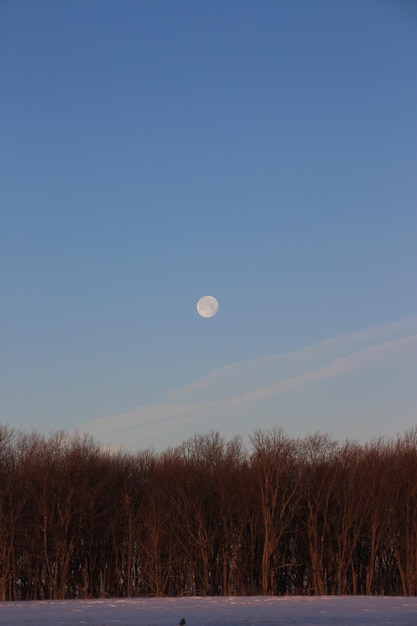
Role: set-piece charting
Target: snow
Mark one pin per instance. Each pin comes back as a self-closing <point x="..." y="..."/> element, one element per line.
<point x="266" y="611"/>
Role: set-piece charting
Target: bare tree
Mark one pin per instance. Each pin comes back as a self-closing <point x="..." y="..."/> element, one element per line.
<point x="275" y="465"/>
<point x="403" y="513"/>
<point x="319" y="483"/>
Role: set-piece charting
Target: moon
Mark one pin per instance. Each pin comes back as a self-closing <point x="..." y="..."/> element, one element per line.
<point x="207" y="306"/>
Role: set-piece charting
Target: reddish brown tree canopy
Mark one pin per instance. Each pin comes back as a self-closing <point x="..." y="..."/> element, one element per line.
<point x="210" y="517"/>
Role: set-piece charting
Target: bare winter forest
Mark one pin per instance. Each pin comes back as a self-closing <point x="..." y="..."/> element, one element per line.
<point x="210" y="517"/>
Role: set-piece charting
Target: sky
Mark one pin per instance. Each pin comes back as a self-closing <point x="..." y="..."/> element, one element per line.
<point x="263" y="152"/>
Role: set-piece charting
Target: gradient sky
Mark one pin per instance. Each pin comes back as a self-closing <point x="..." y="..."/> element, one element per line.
<point x="155" y="152"/>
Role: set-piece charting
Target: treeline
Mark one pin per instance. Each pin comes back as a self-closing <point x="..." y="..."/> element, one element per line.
<point x="210" y="517"/>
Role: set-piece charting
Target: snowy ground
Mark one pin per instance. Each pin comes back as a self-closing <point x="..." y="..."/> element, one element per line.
<point x="265" y="611"/>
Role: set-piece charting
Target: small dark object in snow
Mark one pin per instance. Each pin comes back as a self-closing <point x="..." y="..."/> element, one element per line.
<point x="182" y="622"/>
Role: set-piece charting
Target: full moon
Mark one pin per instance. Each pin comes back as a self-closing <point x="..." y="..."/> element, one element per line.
<point x="207" y="306"/>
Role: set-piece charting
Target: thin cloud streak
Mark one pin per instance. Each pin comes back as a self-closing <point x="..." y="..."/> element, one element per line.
<point x="358" y="360"/>
<point x="225" y="391"/>
<point x="332" y="347"/>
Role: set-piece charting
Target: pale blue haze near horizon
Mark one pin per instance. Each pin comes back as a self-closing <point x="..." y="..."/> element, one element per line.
<point x="154" y="152"/>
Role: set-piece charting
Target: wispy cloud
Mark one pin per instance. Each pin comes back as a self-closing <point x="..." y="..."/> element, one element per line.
<point x="358" y="360"/>
<point x="228" y="390"/>
<point x="325" y="351"/>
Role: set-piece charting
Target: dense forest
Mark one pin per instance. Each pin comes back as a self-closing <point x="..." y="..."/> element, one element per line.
<point x="209" y="517"/>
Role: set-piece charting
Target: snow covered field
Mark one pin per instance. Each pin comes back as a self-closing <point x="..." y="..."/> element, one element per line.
<point x="266" y="611"/>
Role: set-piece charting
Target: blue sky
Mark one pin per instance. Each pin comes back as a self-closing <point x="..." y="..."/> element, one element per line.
<point x="155" y="152"/>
